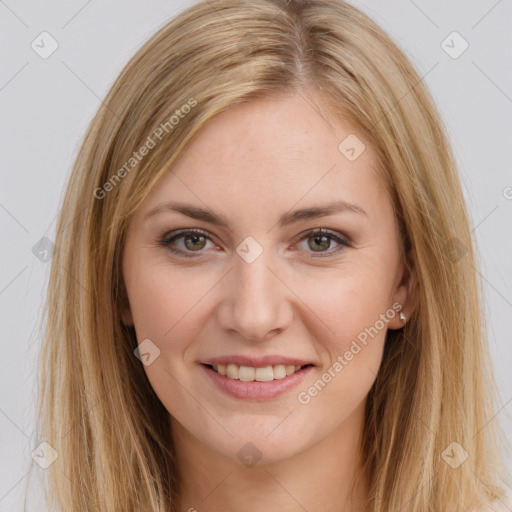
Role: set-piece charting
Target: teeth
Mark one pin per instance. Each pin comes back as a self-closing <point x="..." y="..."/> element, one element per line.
<point x="250" y="374"/>
<point x="264" y="374"/>
<point x="290" y="369"/>
<point x="246" y="373"/>
<point x="280" y="371"/>
<point x="233" y="371"/>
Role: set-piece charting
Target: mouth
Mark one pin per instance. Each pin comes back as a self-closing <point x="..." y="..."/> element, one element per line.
<point x="256" y="374"/>
<point x="256" y="383"/>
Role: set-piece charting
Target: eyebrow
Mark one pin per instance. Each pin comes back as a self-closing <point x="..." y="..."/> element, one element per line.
<point x="286" y="219"/>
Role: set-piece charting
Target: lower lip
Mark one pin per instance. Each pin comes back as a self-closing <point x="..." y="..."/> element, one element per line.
<point x="256" y="390"/>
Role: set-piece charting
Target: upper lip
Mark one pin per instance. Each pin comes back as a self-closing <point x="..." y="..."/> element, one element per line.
<point x="256" y="362"/>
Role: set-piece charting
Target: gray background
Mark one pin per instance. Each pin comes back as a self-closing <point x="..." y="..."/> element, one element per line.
<point x="46" y="105"/>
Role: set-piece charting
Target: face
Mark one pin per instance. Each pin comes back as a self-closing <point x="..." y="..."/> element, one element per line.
<point x="253" y="273"/>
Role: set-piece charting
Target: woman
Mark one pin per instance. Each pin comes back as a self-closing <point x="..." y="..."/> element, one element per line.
<point x="264" y="294"/>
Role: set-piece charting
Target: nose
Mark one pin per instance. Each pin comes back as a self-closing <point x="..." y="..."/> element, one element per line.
<point x="256" y="302"/>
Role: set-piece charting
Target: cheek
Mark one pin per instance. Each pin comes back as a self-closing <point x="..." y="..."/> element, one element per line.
<point x="167" y="304"/>
<point x="349" y="299"/>
<point x="353" y="311"/>
<point x="154" y="303"/>
<point x="167" y="308"/>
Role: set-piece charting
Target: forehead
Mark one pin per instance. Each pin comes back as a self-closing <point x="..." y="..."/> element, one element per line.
<point x="273" y="152"/>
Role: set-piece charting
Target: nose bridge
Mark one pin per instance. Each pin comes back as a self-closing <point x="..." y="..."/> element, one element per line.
<point x="257" y="302"/>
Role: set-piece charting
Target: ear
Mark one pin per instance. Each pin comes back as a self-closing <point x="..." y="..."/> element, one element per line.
<point x="405" y="292"/>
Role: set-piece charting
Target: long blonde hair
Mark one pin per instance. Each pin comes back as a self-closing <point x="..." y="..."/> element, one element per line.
<point x="435" y="386"/>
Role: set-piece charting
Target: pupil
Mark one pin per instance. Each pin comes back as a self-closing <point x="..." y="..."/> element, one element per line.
<point x="324" y="245"/>
<point x="195" y="240"/>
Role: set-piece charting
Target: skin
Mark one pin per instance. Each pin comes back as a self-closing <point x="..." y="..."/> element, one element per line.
<point x="251" y="164"/>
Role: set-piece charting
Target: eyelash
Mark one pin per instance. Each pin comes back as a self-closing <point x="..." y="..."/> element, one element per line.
<point x="168" y="238"/>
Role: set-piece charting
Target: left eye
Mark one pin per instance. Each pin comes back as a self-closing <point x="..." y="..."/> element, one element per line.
<point x="195" y="240"/>
<point x="321" y="240"/>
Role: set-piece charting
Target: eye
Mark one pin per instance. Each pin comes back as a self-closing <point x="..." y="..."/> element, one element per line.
<point x="320" y="241"/>
<point x="195" y="240"/>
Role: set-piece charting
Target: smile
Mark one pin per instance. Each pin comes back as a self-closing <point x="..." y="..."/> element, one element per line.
<point x="256" y="383"/>
<point x="250" y="374"/>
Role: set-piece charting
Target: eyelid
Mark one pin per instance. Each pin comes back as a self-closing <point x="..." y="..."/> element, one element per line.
<point x="324" y="231"/>
<point x="166" y="239"/>
<point x="343" y="240"/>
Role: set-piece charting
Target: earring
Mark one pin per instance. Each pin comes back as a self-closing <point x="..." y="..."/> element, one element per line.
<point x="402" y="316"/>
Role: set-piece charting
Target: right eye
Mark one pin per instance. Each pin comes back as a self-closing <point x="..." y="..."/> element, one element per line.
<point x="193" y="241"/>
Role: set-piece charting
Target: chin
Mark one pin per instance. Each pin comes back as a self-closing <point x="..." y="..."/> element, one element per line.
<point x="261" y="444"/>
